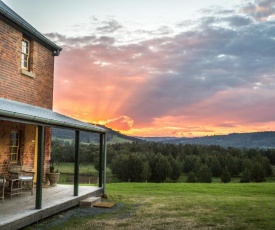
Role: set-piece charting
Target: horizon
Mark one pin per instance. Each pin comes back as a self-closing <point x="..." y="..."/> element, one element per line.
<point x="162" y="68"/>
<point x="176" y="137"/>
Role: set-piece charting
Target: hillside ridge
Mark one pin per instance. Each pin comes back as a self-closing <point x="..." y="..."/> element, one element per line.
<point x="265" y="139"/>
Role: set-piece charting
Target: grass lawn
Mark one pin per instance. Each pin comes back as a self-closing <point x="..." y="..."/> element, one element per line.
<point x="87" y="173"/>
<point x="84" y="169"/>
<point x="184" y="206"/>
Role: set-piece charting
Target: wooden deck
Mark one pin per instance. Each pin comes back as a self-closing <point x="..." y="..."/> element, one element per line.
<point x="18" y="212"/>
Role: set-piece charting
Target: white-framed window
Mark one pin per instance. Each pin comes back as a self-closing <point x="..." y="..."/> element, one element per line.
<point x="25" y="55"/>
<point x="14" y="146"/>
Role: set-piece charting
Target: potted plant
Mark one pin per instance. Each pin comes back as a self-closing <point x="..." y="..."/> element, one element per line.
<point x="53" y="175"/>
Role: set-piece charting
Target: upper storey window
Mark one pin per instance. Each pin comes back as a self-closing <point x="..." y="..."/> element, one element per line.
<point x="26" y="67"/>
<point x="25" y="56"/>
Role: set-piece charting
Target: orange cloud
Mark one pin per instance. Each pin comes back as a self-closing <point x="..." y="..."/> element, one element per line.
<point x="122" y="123"/>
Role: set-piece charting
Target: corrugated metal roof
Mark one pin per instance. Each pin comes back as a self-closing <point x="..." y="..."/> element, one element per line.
<point x="14" y="17"/>
<point x="21" y="112"/>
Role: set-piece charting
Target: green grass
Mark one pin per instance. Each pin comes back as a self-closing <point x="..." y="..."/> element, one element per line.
<point x="88" y="174"/>
<point x="182" y="205"/>
<point x="84" y="169"/>
<point x="185" y="206"/>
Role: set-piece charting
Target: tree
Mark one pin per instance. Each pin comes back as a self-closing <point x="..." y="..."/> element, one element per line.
<point x="246" y="164"/>
<point x="191" y="177"/>
<point x="257" y="172"/>
<point x="162" y="169"/>
<point x="204" y="174"/>
<point x="245" y="176"/>
<point x="216" y="167"/>
<point x="176" y="168"/>
<point x="190" y="163"/>
<point x="232" y="163"/>
<point x="139" y="169"/>
<point x="225" y="177"/>
<point x="265" y="164"/>
<point x="120" y="167"/>
<point x="146" y="171"/>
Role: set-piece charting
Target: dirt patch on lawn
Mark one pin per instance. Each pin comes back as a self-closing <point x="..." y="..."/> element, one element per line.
<point x="56" y="221"/>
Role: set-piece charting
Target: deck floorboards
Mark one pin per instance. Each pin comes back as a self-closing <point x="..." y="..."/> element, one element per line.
<point x="20" y="211"/>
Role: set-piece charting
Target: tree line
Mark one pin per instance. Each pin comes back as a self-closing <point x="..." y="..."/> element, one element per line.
<point x="160" y="162"/>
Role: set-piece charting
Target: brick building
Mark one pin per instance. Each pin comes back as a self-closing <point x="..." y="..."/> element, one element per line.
<point x="26" y="98"/>
<point x="26" y="75"/>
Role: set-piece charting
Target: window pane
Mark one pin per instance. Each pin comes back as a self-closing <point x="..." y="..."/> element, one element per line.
<point x="24" y="50"/>
<point x="13" y="135"/>
<point x="25" y="64"/>
<point x="13" y="142"/>
<point x="13" y="157"/>
<point x="13" y="150"/>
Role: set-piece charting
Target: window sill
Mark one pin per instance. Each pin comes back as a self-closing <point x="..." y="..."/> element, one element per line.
<point x="27" y="73"/>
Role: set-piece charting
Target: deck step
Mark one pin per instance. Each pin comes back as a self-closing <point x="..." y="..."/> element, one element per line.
<point x="89" y="202"/>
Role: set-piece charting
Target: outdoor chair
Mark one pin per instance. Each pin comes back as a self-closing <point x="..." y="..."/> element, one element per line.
<point x="2" y="187"/>
<point x="13" y="187"/>
<point x="19" y="172"/>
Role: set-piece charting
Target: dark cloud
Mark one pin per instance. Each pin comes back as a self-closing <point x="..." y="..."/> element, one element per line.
<point x="109" y="26"/>
<point x="237" y="21"/>
<point x="260" y="10"/>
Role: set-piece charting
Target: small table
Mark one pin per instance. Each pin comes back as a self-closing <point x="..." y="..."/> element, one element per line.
<point x="27" y="183"/>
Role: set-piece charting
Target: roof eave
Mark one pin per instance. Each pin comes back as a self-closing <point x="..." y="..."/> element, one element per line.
<point x="27" y="27"/>
<point x="29" y="114"/>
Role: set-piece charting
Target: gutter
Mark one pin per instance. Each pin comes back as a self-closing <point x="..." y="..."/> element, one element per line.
<point x="51" y="122"/>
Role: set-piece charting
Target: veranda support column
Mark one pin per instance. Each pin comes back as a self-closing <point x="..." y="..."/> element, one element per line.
<point x="76" y="163"/>
<point x="40" y="156"/>
<point x="105" y="163"/>
<point x="100" y="160"/>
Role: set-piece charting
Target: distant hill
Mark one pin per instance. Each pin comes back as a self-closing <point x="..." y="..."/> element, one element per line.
<point x="239" y="140"/>
<point x="157" y="139"/>
<point x="117" y="137"/>
<point x="112" y="136"/>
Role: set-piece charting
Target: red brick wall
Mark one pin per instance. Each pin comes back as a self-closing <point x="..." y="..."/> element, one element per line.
<point x="16" y="86"/>
<point x="47" y="148"/>
<point x="27" y="145"/>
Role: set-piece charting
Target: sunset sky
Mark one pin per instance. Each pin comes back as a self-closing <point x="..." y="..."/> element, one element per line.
<point x="159" y="67"/>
